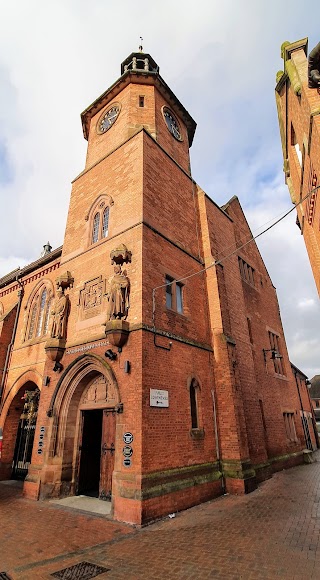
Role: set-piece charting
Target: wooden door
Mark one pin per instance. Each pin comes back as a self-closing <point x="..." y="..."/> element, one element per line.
<point x="107" y="453"/>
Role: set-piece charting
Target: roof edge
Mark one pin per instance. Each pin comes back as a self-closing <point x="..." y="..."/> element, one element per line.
<point x="20" y="272"/>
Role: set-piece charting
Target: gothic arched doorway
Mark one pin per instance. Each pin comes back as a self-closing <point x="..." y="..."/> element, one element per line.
<point x="84" y="408"/>
<point x="19" y="429"/>
<point x="96" y="440"/>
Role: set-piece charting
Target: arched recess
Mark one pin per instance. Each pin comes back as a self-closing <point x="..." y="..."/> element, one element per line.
<point x="194" y="391"/>
<point x="65" y="404"/>
<point x="19" y="416"/>
<point x="28" y="376"/>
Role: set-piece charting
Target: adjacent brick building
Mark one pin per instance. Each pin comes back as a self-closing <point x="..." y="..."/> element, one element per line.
<point x="298" y="104"/>
<point x="145" y="360"/>
<point x="315" y="394"/>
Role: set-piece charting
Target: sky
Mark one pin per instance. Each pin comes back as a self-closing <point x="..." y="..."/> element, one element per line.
<point x="220" y="59"/>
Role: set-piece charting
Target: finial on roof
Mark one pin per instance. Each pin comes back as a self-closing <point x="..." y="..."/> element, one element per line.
<point x="140" y="45"/>
<point x="46" y="250"/>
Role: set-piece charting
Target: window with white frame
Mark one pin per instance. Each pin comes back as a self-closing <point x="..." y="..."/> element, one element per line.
<point x="100" y="225"/>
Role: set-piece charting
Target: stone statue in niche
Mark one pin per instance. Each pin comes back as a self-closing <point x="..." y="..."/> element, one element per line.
<point x="118" y="295"/>
<point x="60" y="313"/>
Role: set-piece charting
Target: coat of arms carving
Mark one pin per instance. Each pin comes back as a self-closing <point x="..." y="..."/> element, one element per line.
<point x="91" y="297"/>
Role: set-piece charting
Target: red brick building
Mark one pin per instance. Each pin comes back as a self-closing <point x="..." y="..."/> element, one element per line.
<point x="145" y="360"/>
<point x="298" y="104"/>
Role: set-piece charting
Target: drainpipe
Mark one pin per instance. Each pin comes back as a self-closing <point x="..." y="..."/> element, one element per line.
<point x="9" y="350"/>
<point x="216" y="430"/>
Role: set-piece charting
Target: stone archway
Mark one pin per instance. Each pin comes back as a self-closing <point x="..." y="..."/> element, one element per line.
<point x="18" y="431"/>
<point x="86" y="394"/>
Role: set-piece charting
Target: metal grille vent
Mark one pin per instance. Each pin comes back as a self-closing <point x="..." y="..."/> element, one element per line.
<point x="81" y="571"/>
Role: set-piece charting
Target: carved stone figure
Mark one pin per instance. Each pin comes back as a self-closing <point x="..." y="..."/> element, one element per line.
<point x="59" y="312"/>
<point x="118" y="295"/>
<point x="314" y="67"/>
<point x="31" y="402"/>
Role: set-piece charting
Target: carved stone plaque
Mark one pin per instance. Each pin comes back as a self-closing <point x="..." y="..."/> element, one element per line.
<point x="97" y="391"/>
<point x="91" y="298"/>
<point x="100" y="390"/>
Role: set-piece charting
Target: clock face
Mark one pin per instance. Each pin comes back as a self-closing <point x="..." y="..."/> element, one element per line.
<point x="172" y="123"/>
<point x="108" y="118"/>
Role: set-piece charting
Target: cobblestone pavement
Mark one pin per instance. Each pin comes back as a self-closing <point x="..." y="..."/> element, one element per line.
<point x="271" y="533"/>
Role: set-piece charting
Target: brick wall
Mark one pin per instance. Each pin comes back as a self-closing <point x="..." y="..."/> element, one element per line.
<point x="300" y="125"/>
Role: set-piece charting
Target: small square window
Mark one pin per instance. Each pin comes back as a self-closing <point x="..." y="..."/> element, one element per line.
<point x="141" y="101"/>
<point x="246" y="271"/>
<point x="277" y="357"/>
<point x="174" y="294"/>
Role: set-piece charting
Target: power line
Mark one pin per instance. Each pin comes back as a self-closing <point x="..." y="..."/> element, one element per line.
<point x="269" y="227"/>
<point x="217" y="262"/>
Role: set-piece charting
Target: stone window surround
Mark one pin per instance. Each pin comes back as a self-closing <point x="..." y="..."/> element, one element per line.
<point x="38" y="314"/>
<point x="101" y="204"/>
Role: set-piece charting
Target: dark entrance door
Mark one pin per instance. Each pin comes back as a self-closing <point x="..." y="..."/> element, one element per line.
<point x="23" y="450"/>
<point x="25" y="435"/>
<point x="90" y="453"/>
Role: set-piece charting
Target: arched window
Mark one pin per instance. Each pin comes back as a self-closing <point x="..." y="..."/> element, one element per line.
<point x="98" y="219"/>
<point x="47" y="317"/>
<point x="105" y="222"/>
<point x="39" y="313"/>
<point x="95" y="228"/>
<point x="32" y="320"/>
<point x="194" y="387"/>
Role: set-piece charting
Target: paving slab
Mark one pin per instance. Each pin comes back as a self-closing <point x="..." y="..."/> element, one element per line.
<point x="271" y="533"/>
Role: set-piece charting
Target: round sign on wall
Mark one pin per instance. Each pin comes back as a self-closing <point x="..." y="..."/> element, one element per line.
<point x="127" y="451"/>
<point x="128" y="438"/>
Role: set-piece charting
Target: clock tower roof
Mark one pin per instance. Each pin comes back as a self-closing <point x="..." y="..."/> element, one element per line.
<point x="139" y="61"/>
<point x="139" y="68"/>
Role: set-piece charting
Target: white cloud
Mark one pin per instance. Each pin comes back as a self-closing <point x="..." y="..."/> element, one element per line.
<point x="306" y="303"/>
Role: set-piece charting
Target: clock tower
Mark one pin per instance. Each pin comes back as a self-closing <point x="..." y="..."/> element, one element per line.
<point x="139" y="99"/>
<point x="136" y="192"/>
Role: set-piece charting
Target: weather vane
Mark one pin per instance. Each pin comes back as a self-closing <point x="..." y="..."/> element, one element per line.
<point x="140" y="45"/>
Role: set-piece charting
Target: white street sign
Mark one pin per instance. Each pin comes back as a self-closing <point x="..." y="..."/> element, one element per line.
<point x="159" y="398"/>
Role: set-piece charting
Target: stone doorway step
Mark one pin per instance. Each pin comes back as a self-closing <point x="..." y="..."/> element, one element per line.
<point x="85" y="503"/>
